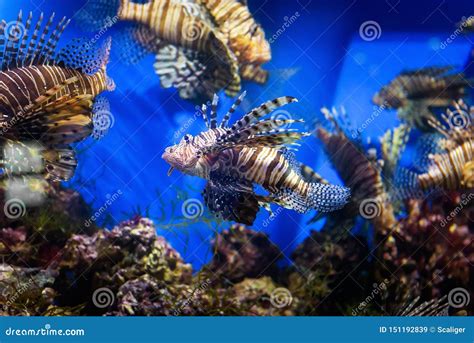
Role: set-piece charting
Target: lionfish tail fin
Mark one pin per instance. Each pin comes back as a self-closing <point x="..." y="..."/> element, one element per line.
<point x="99" y="14"/>
<point x="27" y="43"/>
<point x="321" y="197"/>
<point x="326" y="197"/>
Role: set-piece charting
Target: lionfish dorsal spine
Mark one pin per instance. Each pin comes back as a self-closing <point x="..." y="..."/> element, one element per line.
<point x="53" y="40"/>
<point x="232" y="109"/>
<point x="213" y="115"/>
<point x="262" y="110"/>
<point x="204" y="114"/>
<point x="32" y="46"/>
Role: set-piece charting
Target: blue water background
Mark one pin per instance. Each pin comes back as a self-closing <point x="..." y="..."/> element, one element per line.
<point x="320" y="58"/>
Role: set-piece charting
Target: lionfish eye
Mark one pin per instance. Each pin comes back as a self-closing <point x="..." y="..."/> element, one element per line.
<point x="187" y="138"/>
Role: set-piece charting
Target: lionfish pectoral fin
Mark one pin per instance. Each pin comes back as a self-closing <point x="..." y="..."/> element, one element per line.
<point x="426" y="146"/>
<point x="407" y="185"/>
<point x="99" y="14"/>
<point x="231" y="201"/>
<point x="186" y="70"/>
<point x="102" y="118"/>
<point x="80" y="55"/>
<point x="134" y="42"/>
<point x="64" y="121"/>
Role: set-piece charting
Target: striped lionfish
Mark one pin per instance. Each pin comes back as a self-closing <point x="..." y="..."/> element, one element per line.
<point x="360" y="170"/>
<point x="48" y="99"/>
<point x="452" y="166"/>
<point x="416" y="93"/>
<point x="253" y="151"/>
<point x="201" y="46"/>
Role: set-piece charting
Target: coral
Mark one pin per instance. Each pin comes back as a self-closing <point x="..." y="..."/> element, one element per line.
<point x="131" y="271"/>
<point x="243" y="253"/>
<point x="431" y="254"/>
<point x="329" y="270"/>
<point x="262" y="297"/>
<point x="25" y="291"/>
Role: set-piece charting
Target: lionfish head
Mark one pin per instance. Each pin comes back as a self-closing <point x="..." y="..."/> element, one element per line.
<point x="182" y="156"/>
<point x="389" y="97"/>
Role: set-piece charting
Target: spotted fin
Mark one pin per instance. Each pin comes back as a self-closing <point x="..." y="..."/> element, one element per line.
<point x="102" y="117"/>
<point x="407" y="185"/>
<point x="81" y="56"/>
<point x="322" y="197"/>
<point x="134" y="42"/>
<point x="98" y="14"/>
<point x="426" y="145"/>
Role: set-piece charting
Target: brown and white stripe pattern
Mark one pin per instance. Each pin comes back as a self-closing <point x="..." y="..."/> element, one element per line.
<point x="171" y="21"/>
<point x="447" y="170"/>
<point x="20" y="86"/>
<point x="239" y="29"/>
<point x="265" y="166"/>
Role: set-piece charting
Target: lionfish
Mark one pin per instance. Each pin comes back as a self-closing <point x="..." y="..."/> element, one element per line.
<point x="360" y="170"/>
<point x="451" y="167"/>
<point x="253" y="151"/>
<point x="417" y="93"/>
<point x="48" y="100"/>
<point x="201" y="46"/>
